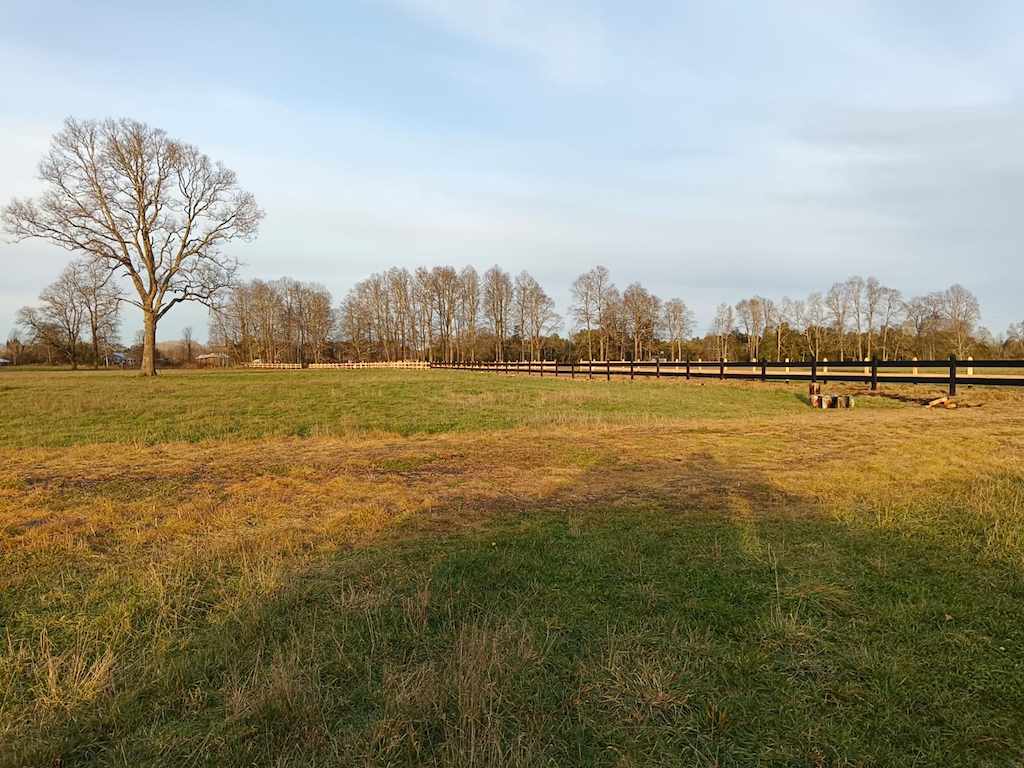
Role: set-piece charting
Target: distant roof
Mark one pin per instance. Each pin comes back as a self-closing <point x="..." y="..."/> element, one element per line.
<point x="5" y="361"/>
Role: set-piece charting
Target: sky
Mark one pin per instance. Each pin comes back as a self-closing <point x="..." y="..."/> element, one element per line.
<point x="710" y="151"/>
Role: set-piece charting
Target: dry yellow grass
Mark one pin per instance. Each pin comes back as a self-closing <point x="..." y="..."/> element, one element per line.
<point x="290" y="494"/>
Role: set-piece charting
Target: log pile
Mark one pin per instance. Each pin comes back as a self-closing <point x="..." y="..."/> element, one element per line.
<point x="818" y="400"/>
<point x="940" y="402"/>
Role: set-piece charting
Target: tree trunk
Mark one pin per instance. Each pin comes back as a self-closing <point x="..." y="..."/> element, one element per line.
<point x="149" y="344"/>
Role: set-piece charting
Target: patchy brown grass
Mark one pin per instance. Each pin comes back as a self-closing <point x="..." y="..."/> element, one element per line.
<point x="290" y="494"/>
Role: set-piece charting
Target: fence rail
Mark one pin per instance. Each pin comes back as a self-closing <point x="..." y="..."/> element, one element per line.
<point x="950" y="373"/>
<point x="416" y="365"/>
<point x="403" y="365"/>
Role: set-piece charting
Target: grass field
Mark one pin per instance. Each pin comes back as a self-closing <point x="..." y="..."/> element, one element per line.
<point x="432" y="568"/>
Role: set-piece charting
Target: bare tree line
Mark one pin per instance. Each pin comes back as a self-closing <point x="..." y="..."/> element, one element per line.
<point x="450" y="315"/>
<point x="277" y="321"/>
<point x="78" y="315"/>
<point x="856" y="319"/>
<point x="446" y="315"/>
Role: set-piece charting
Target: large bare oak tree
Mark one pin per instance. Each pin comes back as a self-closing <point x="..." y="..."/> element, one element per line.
<point x="153" y="208"/>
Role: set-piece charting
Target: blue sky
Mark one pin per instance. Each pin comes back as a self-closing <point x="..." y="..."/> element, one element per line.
<point x="710" y="151"/>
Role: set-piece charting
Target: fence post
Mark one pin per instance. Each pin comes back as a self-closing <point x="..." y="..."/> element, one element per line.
<point x="874" y="374"/>
<point x="657" y="368"/>
<point x="687" y="368"/>
<point x="572" y="370"/>
<point x="556" y="367"/>
<point x="608" y="370"/>
<point x="952" y="375"/>
<point x="814" y="370"/>
<point x="630" y="370"/>
<point x="914" y="369"/>
<point x="721" y="368"/>
<point x="764" y="370"/>
<point x="590" y="369"/>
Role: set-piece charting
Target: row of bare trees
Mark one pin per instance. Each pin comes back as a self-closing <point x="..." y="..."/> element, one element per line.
<point x="454" y="315"/>
<point x="451" y="315"/>
<point x="281" y="320"/>
<point x="857" y="319"/>
<point x="447" y="315"/>
<point x="633" y="323"/>
<point x="77" y="318"/>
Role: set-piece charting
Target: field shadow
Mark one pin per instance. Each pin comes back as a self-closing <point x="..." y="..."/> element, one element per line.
<point x="654" y="611"/>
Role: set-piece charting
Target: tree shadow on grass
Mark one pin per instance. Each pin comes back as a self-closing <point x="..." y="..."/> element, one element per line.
<point x="678" y="611"/>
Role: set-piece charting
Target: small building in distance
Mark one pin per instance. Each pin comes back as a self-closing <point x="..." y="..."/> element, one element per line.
<point x="4" y="361"/>
<point x="123" y="359"/>
<point x="214" y="360"/>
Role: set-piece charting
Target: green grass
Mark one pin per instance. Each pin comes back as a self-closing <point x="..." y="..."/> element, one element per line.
<point x="524" y="573"/>
<point x="61" y="408"/>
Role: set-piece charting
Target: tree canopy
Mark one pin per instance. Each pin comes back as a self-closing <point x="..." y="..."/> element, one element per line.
<point x="154" y="209"/>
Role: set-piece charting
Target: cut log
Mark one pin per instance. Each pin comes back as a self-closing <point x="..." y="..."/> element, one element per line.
<point x="938" y="401"/>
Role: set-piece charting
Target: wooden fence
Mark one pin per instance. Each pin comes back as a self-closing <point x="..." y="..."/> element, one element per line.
<point x="402" y="365"/>
<point x="949" y="373"/>
<point x="416" y="365"/>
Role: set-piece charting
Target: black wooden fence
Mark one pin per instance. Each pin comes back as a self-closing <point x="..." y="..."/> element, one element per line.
<point x="950" y="373"/>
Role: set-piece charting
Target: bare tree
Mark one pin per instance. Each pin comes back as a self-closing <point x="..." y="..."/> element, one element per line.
<point x="874" y="298"/>
<point x="318" y="320"/>
<point x="589" y="295"/>
<point x="777" y="318"/>
<point x="838" y="303"/>
<point x="188" y="344"/>
<point x="1014" y="346"/>
<point x="613" y="323"/>
<point x="101" y="299"/>
<point x="891" y="308"/>
<point x="721" y="331"/>
<point x="960" y="309"/>
<point x="924" y="323"/>
<point x="58" y="321"/>
<point x="535" y="315"/>
<point x="146" y="205"/>
<point x="468" y="315"/>
<point x="498" y="292"/>
<point x="750" y="313"/>
<point x="642" y="312"/>
<point x="444" y="289"/>
<point x="679" y="322"/>
<point x="815" y="319"/>
<point x="356" y="322"/>
<point x="854" y="288"/>
<point x="14" y="348"/>
<point x="399" y="288"/>
<point x="606" y="299"/>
